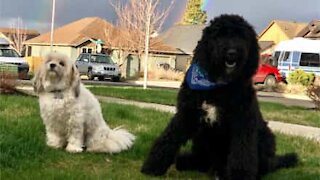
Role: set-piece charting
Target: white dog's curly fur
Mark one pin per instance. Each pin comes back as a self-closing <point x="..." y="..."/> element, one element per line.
<point x="71" y="113"/>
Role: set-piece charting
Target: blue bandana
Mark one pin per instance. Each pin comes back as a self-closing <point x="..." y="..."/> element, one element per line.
<point x="197" y="79"/>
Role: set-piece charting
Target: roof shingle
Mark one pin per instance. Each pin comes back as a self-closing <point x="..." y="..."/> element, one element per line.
<point x="183" y="37"/>
<point x="75" y="33"/>
<point x="290" y="28"/>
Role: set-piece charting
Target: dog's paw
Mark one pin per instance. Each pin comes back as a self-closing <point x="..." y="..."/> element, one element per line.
<point x="73" y="148"/>
<point x="55" y="144"/>
<point x="151" y="172"/>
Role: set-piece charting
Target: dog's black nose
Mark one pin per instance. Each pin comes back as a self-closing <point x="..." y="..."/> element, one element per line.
<point x="52" y="65"/>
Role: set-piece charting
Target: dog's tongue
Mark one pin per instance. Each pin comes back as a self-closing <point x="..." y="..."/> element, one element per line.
<point x="197" y="79"/>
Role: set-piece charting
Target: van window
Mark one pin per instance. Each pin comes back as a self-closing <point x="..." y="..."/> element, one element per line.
<point x="276" y="55"/>
<point x="8" y="53"/>
<point x="285" y="56"/>
<point x="310" y="59"/>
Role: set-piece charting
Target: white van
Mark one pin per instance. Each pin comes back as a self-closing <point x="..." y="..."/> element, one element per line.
<point x="299" y="53"/>
<point x="8" y="55"/>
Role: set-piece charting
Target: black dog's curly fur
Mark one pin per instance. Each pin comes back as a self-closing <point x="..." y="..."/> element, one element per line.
<point x="238" y="144"/>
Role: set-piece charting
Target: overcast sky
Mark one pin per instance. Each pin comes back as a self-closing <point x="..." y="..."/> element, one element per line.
<point x="36" y="14"/>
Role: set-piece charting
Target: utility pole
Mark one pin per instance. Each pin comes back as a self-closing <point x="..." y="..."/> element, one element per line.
<point x="52" y="23"/>
<point x="146" y="45"/>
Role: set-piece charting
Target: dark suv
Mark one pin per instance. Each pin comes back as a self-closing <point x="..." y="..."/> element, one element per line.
<point x="98" y="65"/>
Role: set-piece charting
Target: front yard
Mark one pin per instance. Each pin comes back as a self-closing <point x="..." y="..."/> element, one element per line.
<point x="24" y="155"/>
<point x="270" y="111"/>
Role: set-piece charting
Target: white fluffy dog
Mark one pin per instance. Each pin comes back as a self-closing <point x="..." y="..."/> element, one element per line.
<point x="71" y="113"/>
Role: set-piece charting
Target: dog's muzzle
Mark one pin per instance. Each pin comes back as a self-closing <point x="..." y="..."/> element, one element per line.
<point x="231" y="57"/>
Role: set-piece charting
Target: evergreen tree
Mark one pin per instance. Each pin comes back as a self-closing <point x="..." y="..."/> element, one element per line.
<point x="194" y="14"/>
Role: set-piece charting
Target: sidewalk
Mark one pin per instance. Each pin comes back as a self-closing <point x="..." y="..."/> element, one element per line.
<point x="176" y="85"/>
<point x="286" y="128"/>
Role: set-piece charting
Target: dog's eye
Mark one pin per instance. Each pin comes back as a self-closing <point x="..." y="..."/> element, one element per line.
<point x="61" y="63"/>
<point x="230" y="64"/>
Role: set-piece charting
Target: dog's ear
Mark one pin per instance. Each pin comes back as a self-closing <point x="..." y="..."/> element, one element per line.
<point x="252" y="63"/>
<point x="38" y="80"/>
<point x="200" y="53"/>
<point x="75" y="80"/>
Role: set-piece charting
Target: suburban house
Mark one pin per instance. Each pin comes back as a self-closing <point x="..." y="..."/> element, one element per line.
<point x="71" y="39"/>
<point x="10" y="33"/>
<point x="184" y="38"/>
<point x="278" y="31"/>
<point x="82" y="36"/>
<point x="7" y="33"/>
<point x="311" y="31"/>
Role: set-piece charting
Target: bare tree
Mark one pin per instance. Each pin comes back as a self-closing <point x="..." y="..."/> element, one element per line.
<point x="18" y="34"/>
<point x="138" y="19"/>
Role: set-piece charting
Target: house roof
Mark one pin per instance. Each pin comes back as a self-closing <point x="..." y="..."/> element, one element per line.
<point x="290" y="28"/>
<point x="311" y="31"/>
<point x="26" y="31"/>
<point x="183" y="37"/>
<point x="265" y="44"/>
<point x="75" y="33"/>
<point x="92" y="28"/>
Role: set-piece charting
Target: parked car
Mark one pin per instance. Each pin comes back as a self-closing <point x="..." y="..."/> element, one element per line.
<point x="268" y="75"/>
<point x="8" y="55"/>
<point x="98" y="65"/>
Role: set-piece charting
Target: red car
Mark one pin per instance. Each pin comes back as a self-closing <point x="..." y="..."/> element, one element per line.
<point x="267" y="74"/>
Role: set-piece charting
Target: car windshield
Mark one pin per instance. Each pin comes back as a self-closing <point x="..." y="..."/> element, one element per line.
<point x="101" y="59"/>
<point x="8" y="53"/>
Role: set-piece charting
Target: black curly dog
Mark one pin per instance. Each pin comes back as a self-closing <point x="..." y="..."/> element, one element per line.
<point x="217" y="108"/>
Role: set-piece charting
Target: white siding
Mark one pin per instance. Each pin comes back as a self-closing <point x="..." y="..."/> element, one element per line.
<point x="41" y="51"/>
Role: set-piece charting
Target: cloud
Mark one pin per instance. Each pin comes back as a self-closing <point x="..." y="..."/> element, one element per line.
<point x="37" y="13"/>
<point x="260" y="13"/>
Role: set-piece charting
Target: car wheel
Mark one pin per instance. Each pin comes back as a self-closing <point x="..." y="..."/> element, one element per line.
<point x="115" y="79"/>
<point x="270" y="81"/>
<point x="90" y="75"/>
<point x="101" y="78"/>
<point x="23" y="75"/>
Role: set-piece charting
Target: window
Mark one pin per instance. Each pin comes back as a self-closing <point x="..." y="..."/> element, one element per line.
<point x="310" y="59"/>
<point x="276" y="55"/>
<point x="82" y="57"/>
<point x="8" y="53"/>
<point x="285" y="56"/>
<point x="101" y="59"/>
<point x="86" y="50"/>
<point x="29" y="50"/>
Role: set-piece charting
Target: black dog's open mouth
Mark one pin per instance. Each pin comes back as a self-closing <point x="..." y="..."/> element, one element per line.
<point x="230" y="63"/>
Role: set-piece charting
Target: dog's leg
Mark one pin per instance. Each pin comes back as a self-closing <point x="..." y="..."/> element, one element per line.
<point x="75" y="134"/>
<point x="165" y="148"/>
<point x="202" y="150"/>
<point x="242" y="161"/>
<point x="54" y="139"/>
<point x="266" y="149"/>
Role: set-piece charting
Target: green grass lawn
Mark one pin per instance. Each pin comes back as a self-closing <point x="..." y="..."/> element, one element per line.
<point x="24" y="155"/>
<point x="160" y="96"/>
<point x="270" y="111"/>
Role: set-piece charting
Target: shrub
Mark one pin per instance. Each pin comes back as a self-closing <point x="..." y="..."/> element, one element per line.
<point x="301" y="77"/>
<point x="313" y="92"/>
<point x="170" y="74"/>
<point x="8" y="78"/>
<point x="8" y="82"/>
